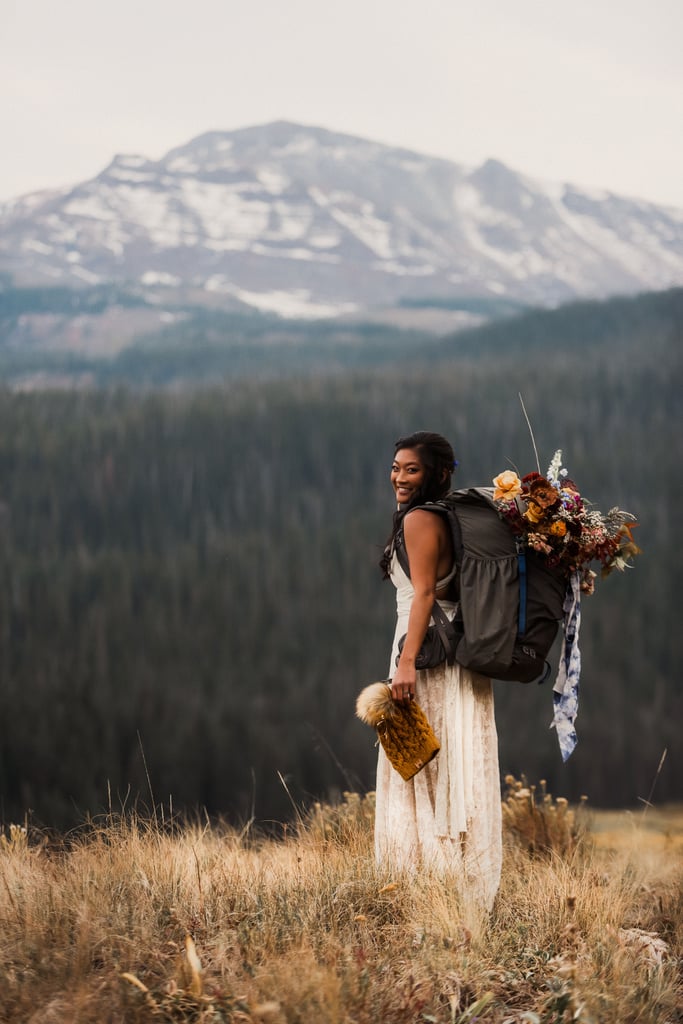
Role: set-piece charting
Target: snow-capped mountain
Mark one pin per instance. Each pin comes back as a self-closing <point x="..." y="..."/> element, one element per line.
<point x="304" y="221"/>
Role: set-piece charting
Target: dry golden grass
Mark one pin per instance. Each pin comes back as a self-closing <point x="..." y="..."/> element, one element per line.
<point x="655" y="828"/>
<point x="133" y="922"/>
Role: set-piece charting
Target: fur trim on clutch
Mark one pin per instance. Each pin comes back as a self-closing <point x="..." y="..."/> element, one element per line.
<point x="375" y="703"/>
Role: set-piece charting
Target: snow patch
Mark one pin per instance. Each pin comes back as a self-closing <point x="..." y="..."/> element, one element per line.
<point x="155" y="213"/>
<point x="283" y="252"/>
<point x="374" y="233"/>
<point x="30" y="201"/>
<point x="475" y="214"/>
<point x="33" y="245"/>
<point x="225" y="214"/>
<point x="634" y="254"/>
<point x="183" y="165"/>
<point x="318" y="196"/>
<point x="301" y="144"/>
<point x="468" y="200"/>
<point x="410" y="165"/>
<point x="218" y="283"/>
<point x="293" y="221"/>
<point x="332" y="197"/>
<point x="92" y="206"/>
<point x="114" y="238"/>
<point x="554" y="190"/>
<point x="85" y="275"/>
<point x="321" y="240"/>
<point x="403" y="269"/>
<point x="226" y="244"/>
<point x="295" y="303"/>
<point x="153" y="277"/>
<point x="272" y="180"/>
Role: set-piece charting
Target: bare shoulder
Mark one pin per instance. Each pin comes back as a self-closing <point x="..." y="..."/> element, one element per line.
<point x="419" y="521"/>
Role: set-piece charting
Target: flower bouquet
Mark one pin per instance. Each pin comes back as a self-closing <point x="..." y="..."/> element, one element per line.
<point x="551" y="517"/>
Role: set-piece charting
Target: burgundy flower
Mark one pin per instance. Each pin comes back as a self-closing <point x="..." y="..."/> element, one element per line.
<point x="528" y="479"/>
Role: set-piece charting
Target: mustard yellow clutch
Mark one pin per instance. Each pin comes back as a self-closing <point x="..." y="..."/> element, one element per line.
<point x="403" y="730"/>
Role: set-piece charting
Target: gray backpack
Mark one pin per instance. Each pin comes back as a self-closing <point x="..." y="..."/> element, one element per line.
<point x="510" y="602"/>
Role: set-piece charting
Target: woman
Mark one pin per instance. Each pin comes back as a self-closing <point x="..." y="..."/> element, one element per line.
<point x="449" y="815"/>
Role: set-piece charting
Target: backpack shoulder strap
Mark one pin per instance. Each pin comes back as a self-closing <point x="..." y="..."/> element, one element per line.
<point x="401" y="553"/>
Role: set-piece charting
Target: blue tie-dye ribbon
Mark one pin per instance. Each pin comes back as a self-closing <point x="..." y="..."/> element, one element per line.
<point x="566" y="688"/>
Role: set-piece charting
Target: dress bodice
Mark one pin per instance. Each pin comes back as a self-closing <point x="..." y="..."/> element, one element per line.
<point x="405" y="591"/>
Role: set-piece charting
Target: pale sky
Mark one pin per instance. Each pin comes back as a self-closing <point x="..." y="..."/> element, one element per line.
<point x="585" y="91"/>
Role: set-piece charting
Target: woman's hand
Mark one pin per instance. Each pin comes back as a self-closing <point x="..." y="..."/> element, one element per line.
<point x="403" y="684"/>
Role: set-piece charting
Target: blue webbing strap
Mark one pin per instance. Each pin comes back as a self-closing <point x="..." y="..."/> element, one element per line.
<point x="521" y="567"/>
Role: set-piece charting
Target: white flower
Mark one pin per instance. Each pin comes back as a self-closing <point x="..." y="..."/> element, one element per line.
<point x="554" y="469"/>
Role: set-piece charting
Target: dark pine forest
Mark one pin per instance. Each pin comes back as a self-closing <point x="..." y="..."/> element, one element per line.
<point x="190" y="573"/>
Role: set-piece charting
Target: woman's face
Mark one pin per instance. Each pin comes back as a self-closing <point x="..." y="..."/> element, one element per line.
<point x="407" y="474"/>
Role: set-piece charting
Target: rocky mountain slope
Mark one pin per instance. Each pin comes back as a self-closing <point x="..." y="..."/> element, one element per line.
<point x="302" y="221"/>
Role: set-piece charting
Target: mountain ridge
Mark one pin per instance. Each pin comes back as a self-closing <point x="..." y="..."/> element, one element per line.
<point x="305" y="221"/>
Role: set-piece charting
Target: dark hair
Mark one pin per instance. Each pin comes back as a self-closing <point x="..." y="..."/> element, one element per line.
<point x="436" y="455"/>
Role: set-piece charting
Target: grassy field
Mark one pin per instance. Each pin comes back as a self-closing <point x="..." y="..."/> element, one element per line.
<point x="653" y="828"/>
<point x="133" y="920"/>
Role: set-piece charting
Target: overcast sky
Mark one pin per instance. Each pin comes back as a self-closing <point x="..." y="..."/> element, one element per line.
<point x="587" y="91"/>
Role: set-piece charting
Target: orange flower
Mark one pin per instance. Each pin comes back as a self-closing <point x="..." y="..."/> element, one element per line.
<point x="507" y="486"/>
<point x="534" y="512"/>
<point x="558" y="529"/>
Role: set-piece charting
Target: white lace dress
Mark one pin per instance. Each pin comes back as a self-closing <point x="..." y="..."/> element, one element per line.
<point x="449" y="815"/>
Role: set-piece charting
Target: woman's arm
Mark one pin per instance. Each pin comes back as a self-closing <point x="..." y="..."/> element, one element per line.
<point x="424" y="537"/>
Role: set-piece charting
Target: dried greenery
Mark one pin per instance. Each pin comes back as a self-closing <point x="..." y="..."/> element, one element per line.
<point x="540" y="824"/>
<point x="132" y="920"/>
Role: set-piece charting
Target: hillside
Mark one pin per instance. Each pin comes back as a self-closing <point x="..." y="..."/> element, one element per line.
<point x="193" y="572"/>
<point x="204" y="348"/>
